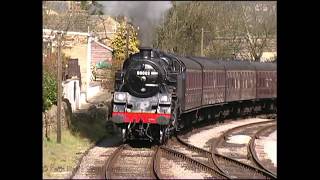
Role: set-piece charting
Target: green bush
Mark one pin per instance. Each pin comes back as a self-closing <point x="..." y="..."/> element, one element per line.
<point x="49" y="93"/>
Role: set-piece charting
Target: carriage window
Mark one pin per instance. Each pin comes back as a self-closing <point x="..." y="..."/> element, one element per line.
<point x="232" y="77"/>
<point x="222" y="78"/>
<point x="250" y="77"/>
<point x="259" y="83"/>
<point x="248" y="86"/>
<point x="237" y="80"/>
<point x="251" y="81"/>
<point x="236" y="77"/>
<point x="189" y="80"/>
<point x="246" y="79"/>
<point x="211" y="79"/>
<point x="197" y="80"/>
<point x="193" y="79"/>
<point x="207" y="78"/>
<point x="233" y="83"/>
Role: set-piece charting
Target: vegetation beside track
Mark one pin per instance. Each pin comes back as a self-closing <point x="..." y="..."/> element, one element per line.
<point x="85" y="130"/>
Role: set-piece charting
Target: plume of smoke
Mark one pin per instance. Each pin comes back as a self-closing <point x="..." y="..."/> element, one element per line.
<point x="144" y="14"/>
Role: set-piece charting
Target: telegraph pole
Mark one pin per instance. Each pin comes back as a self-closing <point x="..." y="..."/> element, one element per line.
<point x="59" y="89"/>
<point x="202" y="32"/>
<point x="201" y="41"/>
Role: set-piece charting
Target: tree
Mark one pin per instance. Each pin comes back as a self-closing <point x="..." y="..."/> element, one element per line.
<point x="259" y="24"/>
<point x="233" y="29"/>
<point x="118" y="43"/>
<point x="70" y="19"/>
<point x="64" y="19"/>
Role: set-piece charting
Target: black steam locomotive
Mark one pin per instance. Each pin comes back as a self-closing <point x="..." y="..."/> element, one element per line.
<point x="157" y="93"/>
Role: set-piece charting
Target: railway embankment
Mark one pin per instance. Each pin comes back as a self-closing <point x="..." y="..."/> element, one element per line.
<point x="81" y="130"/>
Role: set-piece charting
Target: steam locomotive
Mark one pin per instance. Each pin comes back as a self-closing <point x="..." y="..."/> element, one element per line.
<point x="158" y="93"/>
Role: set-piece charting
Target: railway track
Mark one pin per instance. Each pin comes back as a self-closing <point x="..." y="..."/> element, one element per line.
<point x="152" y="166"/>
<point x="239" y="165"/>
<point x="151" y="163"/>
<point x="241" y="169"/>
<point x="264" y="164"/>
<point x="130" y="163"/>
<point x="189" y="163"/>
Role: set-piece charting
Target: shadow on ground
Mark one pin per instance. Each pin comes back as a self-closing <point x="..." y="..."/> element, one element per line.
<point x="92" y="123"/>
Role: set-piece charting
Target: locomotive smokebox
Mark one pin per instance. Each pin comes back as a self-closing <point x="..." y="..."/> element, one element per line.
<point x="146" y="53"/>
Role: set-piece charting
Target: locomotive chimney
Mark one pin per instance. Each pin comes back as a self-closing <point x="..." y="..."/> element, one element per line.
<point x="146" y="53"/>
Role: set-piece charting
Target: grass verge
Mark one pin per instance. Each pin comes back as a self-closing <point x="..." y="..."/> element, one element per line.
<point x="60" y="159"/>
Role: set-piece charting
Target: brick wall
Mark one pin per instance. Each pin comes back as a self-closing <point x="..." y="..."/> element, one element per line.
<point x="100" y="53"/>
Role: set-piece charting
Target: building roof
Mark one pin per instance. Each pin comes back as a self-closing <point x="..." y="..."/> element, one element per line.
<point x="49" y="34"/>
<point x="110" y="49"/>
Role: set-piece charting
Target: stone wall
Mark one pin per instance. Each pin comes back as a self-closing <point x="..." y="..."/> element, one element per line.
<point x="49" y="119"/>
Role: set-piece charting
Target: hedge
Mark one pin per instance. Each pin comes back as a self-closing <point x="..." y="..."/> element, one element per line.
<point x="49" y="93"/>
